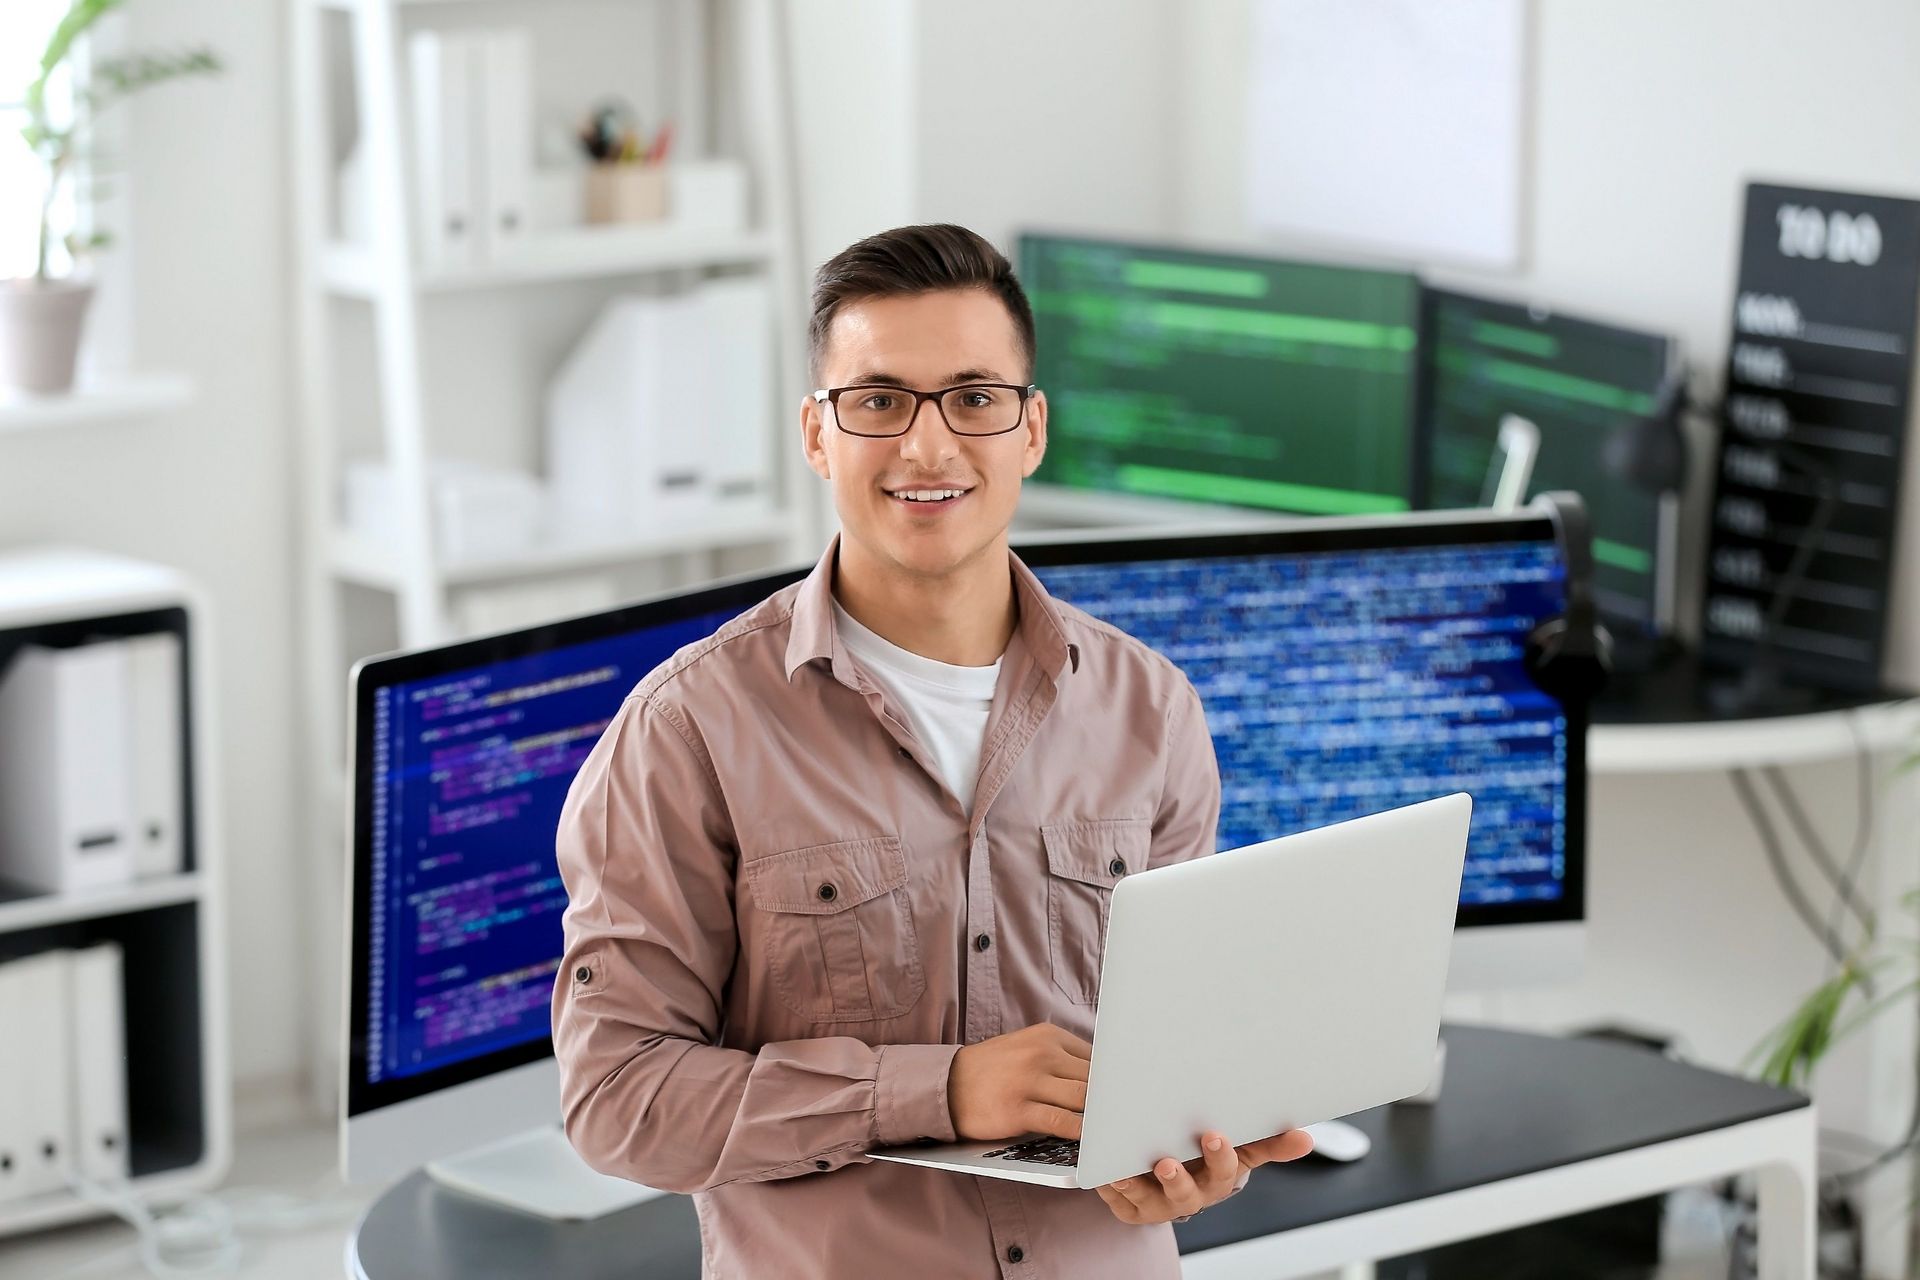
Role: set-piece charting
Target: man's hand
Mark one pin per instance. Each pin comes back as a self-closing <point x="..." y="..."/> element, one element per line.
<point x="1175" y="1190"/>
<point x="1029" y="1081"/>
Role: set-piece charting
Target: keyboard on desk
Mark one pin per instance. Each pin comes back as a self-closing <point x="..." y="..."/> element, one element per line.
<point x="1064" y="1152"/>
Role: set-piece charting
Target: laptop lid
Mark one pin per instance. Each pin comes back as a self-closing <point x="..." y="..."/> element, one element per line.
<point x="1280" y="984"/>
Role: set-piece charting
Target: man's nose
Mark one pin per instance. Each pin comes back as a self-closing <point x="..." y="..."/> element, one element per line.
<point x="928" y="441"/>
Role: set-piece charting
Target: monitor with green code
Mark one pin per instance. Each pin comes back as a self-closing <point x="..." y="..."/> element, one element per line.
<point x="1206" y="377"/>
<point x="1577" y="381"/>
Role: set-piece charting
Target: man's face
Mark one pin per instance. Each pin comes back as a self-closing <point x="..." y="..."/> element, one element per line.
<point x="926" y="341"/>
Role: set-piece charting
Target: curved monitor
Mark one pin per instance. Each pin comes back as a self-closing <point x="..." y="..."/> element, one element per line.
<point x="1346" y="666"/>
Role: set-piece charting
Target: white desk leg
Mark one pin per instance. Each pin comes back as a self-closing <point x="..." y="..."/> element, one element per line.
<point x="1787" y="1192"/>
<point x="1357" y="1271"/>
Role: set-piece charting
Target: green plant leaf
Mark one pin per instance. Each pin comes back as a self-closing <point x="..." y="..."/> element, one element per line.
<point x="114" y="78"/>
<point x="82" y="15"/>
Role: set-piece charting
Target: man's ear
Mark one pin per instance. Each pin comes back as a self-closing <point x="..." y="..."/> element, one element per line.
<point x="1036" y="447"/>
<point x="811" y="427"/>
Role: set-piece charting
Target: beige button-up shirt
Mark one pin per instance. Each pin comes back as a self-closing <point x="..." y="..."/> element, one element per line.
<point x="782" y="927"/>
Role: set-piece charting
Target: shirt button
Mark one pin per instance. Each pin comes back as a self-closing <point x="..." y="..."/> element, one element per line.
<point x="905" y="754"/>
<point x="821" y="1164"/>
<point x="1118" y="867"/>
<point x="982" y="942"/>
<point x="828" y="893"/>
<point x="582" y="973"/>
<point x="1015" y="1253"/>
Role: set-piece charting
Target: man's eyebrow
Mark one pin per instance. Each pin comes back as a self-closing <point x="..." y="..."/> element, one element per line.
<point x="872" y="377"/>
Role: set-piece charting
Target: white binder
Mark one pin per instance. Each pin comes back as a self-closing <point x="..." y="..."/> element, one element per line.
<point x="96" y="1012"/>
<point x="444" y="120"/>
<point x="13" y="1167"/>
<point x="504" y="100"/>
<point x="42" y="1067"/>
<point x="66" y="792"/>
<point x="155" y="733"/>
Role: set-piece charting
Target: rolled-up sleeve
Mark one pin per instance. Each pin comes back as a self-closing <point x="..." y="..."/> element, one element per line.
<point x="647" y="854"/>
<point x="1187" y="823"/>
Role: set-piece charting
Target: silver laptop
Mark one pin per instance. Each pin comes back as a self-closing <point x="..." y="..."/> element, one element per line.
<point x="1259" y="990"/>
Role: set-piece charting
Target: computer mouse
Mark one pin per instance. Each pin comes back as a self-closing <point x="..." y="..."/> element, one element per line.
<point x="1337" y="1140"/>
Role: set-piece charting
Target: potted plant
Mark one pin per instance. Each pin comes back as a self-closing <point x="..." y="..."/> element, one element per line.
<point x="41" y="314"/>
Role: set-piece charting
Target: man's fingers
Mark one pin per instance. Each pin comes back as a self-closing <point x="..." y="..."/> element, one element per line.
<point x="1072" y="1043"/>
<point x="1181" y="1191"/>
<point x="1122" y="1207"/>
<point x="1042" y="1117"/>
<point x="1140" y="1193"/>
<point x="1278" y="1149"/>
<point x="1068" y="1094"/>
<point x="1219" y="1162"/>
<point x="1068" y="1065"/>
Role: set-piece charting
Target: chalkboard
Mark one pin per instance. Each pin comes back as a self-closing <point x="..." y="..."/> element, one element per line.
<point x="1819" y="372"/>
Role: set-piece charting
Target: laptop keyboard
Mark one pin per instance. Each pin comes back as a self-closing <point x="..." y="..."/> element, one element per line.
<point x="1064" y="1152"/>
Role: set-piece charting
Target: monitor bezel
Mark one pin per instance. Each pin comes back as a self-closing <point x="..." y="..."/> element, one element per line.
<point x="1261" y="535"/>
<point x="373" y="674"/>
<point x="1666" y="534"/>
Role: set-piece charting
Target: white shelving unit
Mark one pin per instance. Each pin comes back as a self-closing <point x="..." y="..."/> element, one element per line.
<point x="171" y="928"/>
<point x="129" y="397"/>
<point x="722" y="66"/>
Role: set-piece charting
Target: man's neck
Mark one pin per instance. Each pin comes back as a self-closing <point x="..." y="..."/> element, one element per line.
<point x="964" y="618"/>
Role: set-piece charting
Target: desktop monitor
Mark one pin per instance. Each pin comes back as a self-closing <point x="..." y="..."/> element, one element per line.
<point x="1580" y="384"/>
<point x="1176" y="378"/>
<point x="1345" y="667"/>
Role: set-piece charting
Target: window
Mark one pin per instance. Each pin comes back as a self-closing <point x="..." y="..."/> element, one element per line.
<point x="24" y="28"/>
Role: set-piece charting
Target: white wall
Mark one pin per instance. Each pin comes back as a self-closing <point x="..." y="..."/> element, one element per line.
<point x="997" y="114"/>
<point x="208" y="488"/>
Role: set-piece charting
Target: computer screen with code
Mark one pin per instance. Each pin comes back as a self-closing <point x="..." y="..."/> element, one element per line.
<point x="1339" y="683"/>
<point x="1288" y="386"/>
<point x="469" y="772"/>
<point x="1579" y="383"/>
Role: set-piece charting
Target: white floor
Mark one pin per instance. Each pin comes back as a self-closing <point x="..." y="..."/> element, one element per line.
<point x="298" y="1161"/>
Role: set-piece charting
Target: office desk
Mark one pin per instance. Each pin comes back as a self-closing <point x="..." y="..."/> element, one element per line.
<point x="1527" y="1128"/>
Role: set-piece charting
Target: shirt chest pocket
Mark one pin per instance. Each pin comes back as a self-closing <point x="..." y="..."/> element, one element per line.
<point x="837" y="927"/>
<point x="1084" y="861"/>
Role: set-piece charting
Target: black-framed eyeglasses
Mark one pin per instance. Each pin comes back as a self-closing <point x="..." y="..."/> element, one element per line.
<point x="970" y="409"/>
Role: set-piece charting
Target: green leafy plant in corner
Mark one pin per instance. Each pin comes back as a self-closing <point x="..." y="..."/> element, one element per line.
<point x="109" y="80"/>
<point x="1845" y="1002"/>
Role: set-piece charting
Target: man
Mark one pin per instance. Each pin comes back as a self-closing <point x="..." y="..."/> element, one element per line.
<point x="839" y="873"/>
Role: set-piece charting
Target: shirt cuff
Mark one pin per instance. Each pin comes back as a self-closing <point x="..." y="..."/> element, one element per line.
<point x="910" y="1093"/>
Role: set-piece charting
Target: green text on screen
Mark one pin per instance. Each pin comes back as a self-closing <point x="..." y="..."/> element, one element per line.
<point x="1248" y="381"/>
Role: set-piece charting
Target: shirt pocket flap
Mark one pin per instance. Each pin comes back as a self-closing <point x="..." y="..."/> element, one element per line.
<point x="1098" y="851"/>
<point x="826" y="879"/>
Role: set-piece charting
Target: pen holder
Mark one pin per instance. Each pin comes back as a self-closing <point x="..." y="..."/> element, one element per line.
<point x="626" y="193"/>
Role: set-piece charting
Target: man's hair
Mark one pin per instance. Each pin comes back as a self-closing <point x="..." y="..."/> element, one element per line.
<point x="908" y="260"/>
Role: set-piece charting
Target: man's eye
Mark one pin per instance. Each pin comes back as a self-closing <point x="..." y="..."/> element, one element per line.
<point x="877" y="403"/>
<point x="976" y="400"/>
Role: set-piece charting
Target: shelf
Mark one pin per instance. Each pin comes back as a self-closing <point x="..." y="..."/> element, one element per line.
<point x="366" y="562"/>
<point x="129" y="397"/>
<point x="577" y="254"/>
<point x="26" y="909"/>
<point x="1734" y="744"/>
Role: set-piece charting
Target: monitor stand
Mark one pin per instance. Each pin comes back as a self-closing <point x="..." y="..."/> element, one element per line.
<point x="537" y="1172"/>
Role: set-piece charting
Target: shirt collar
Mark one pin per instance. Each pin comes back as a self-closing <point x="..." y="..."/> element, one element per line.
<point x="813" y="637"/>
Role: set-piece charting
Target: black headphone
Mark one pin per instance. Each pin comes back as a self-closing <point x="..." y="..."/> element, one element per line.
<point x="1570" y="656"/>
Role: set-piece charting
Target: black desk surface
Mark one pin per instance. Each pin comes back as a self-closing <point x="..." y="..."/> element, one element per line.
<point x="1671" y="688"/>
<point x="1512" y="1104"/>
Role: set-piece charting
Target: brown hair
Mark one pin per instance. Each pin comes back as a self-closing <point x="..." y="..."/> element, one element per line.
<point x="910" y="260"/>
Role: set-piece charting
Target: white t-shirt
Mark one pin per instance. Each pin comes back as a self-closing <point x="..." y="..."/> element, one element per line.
<point x="946" y="706"/>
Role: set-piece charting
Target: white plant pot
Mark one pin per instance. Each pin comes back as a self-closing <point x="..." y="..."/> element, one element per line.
<point x="40" y="333"/>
